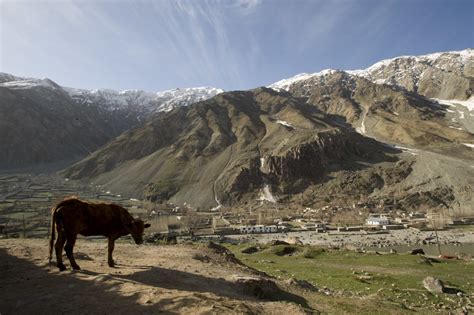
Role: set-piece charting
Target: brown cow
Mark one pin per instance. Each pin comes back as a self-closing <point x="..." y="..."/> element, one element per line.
<point x="73" y="216"/>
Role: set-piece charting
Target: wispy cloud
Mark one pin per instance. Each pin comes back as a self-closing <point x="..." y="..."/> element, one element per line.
<point x="234" y="44"/>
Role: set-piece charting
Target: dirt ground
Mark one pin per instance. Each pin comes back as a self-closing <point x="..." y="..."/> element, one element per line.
<point x="179" y="279"/>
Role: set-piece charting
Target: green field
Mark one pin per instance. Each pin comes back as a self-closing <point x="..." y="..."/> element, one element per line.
<point x="365" y="283"/>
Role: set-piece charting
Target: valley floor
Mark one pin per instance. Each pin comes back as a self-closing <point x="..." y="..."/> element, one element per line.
<point x="450" y="240"/>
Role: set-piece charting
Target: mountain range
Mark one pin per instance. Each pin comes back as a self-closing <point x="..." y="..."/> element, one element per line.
<point x="43" y="123"/>
<point x="400" y="130"/>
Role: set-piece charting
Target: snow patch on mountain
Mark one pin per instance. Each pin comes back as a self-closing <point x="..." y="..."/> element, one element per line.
<point x="467" y="103"/>
<point x="286" y="83"/>
<point x="413" y="66"/>
<point x="148" y="101"/>
<point x="30" y="83"/>
<point x="138" y="100"/>
<point x="6" y="77"/>
<point x="285" y="123"/>
<point x="461" y="57"/>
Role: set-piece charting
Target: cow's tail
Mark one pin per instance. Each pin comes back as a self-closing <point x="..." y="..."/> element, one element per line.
<point x="53" y="234"/>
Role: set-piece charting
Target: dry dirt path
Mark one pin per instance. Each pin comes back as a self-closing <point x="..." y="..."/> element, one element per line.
<point x="180" y="279"/>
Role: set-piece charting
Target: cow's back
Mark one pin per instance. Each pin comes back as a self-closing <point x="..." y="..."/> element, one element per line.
<point x="89" y="219"/>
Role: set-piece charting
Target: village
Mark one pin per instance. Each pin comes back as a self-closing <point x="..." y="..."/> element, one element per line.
<point x="26" y="200"/>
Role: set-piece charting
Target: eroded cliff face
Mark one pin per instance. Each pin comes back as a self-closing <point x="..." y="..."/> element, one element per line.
<point x="311" y="159"/>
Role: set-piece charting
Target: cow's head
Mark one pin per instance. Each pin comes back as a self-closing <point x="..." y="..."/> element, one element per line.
<point x="136" y="228"/>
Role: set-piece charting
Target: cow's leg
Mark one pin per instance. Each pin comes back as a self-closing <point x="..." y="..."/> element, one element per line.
<point x="71" y="240"/>
<point x="110" y="260"/>
<point x="59" y="249"/>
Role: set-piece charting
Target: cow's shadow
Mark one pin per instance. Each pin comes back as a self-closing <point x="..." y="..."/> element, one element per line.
<point x="188" y="281"/>
<point x="29" y="288"/>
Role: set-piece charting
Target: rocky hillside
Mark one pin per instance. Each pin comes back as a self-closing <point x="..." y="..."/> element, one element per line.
<point x="42" y="122"/>
<point x="39" y="123"/>
<point x="385" y="112"/>
<point x="234" y="147"/>
<point x="445" y="75"/>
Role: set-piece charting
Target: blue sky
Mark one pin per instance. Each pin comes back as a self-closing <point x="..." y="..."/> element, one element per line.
<point x="157" y="45"/>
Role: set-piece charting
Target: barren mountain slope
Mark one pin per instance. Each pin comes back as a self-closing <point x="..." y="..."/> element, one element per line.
<point x="42" y="122"/>
<point x="385" y="112"/>
<point x="231" y="148"/>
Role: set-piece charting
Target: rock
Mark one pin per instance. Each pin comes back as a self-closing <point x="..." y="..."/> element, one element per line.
<point x="258" y="287"/>
<point x="417" y="251"/>
<point x="221" y="250"/>
<point x="294" y="240"/>
<point x="433" y="285"/>
<point x="302" y="284"/>
<point x="200" y="257"/>
<point x="364" y="278"/>
<point x="463" y="256"/>
<point x="162" y="238"/>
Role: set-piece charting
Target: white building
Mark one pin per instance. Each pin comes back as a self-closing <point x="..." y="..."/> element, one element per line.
<point x="249" y="229"/>
<point x="378" y="221"/>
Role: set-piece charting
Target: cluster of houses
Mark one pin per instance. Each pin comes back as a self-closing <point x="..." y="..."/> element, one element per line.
<point x="373" y="222"/>
<point x="260" y="228"/>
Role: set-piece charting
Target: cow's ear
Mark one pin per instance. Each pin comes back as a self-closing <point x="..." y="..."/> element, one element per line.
<point x="147" y="225"/>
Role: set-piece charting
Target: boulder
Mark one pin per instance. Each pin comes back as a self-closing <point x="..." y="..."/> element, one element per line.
<point x="302" y="284"/>
<point x="294" y="240"/>
<point x="433" y="285"/>
<point x="258" y="287"/>
<point x="201" y="257"/>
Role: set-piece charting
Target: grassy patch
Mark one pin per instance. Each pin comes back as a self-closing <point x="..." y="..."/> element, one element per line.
<point x="391" y="281"/>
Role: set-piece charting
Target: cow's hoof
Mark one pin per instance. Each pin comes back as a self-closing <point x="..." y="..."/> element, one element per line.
<point x="112" y="264"/>
<point x="76" y="267"/>
<point x="62" y="267"/>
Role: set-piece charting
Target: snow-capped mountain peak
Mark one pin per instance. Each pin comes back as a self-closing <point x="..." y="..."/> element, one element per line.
<point x="442" y="75"/>
<point x="146" y="101"/>
<point x="458" y="58"/>
<point x="137" y="100"/>
<point x="286" y="83"/>
<point x="10" y="81"/>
